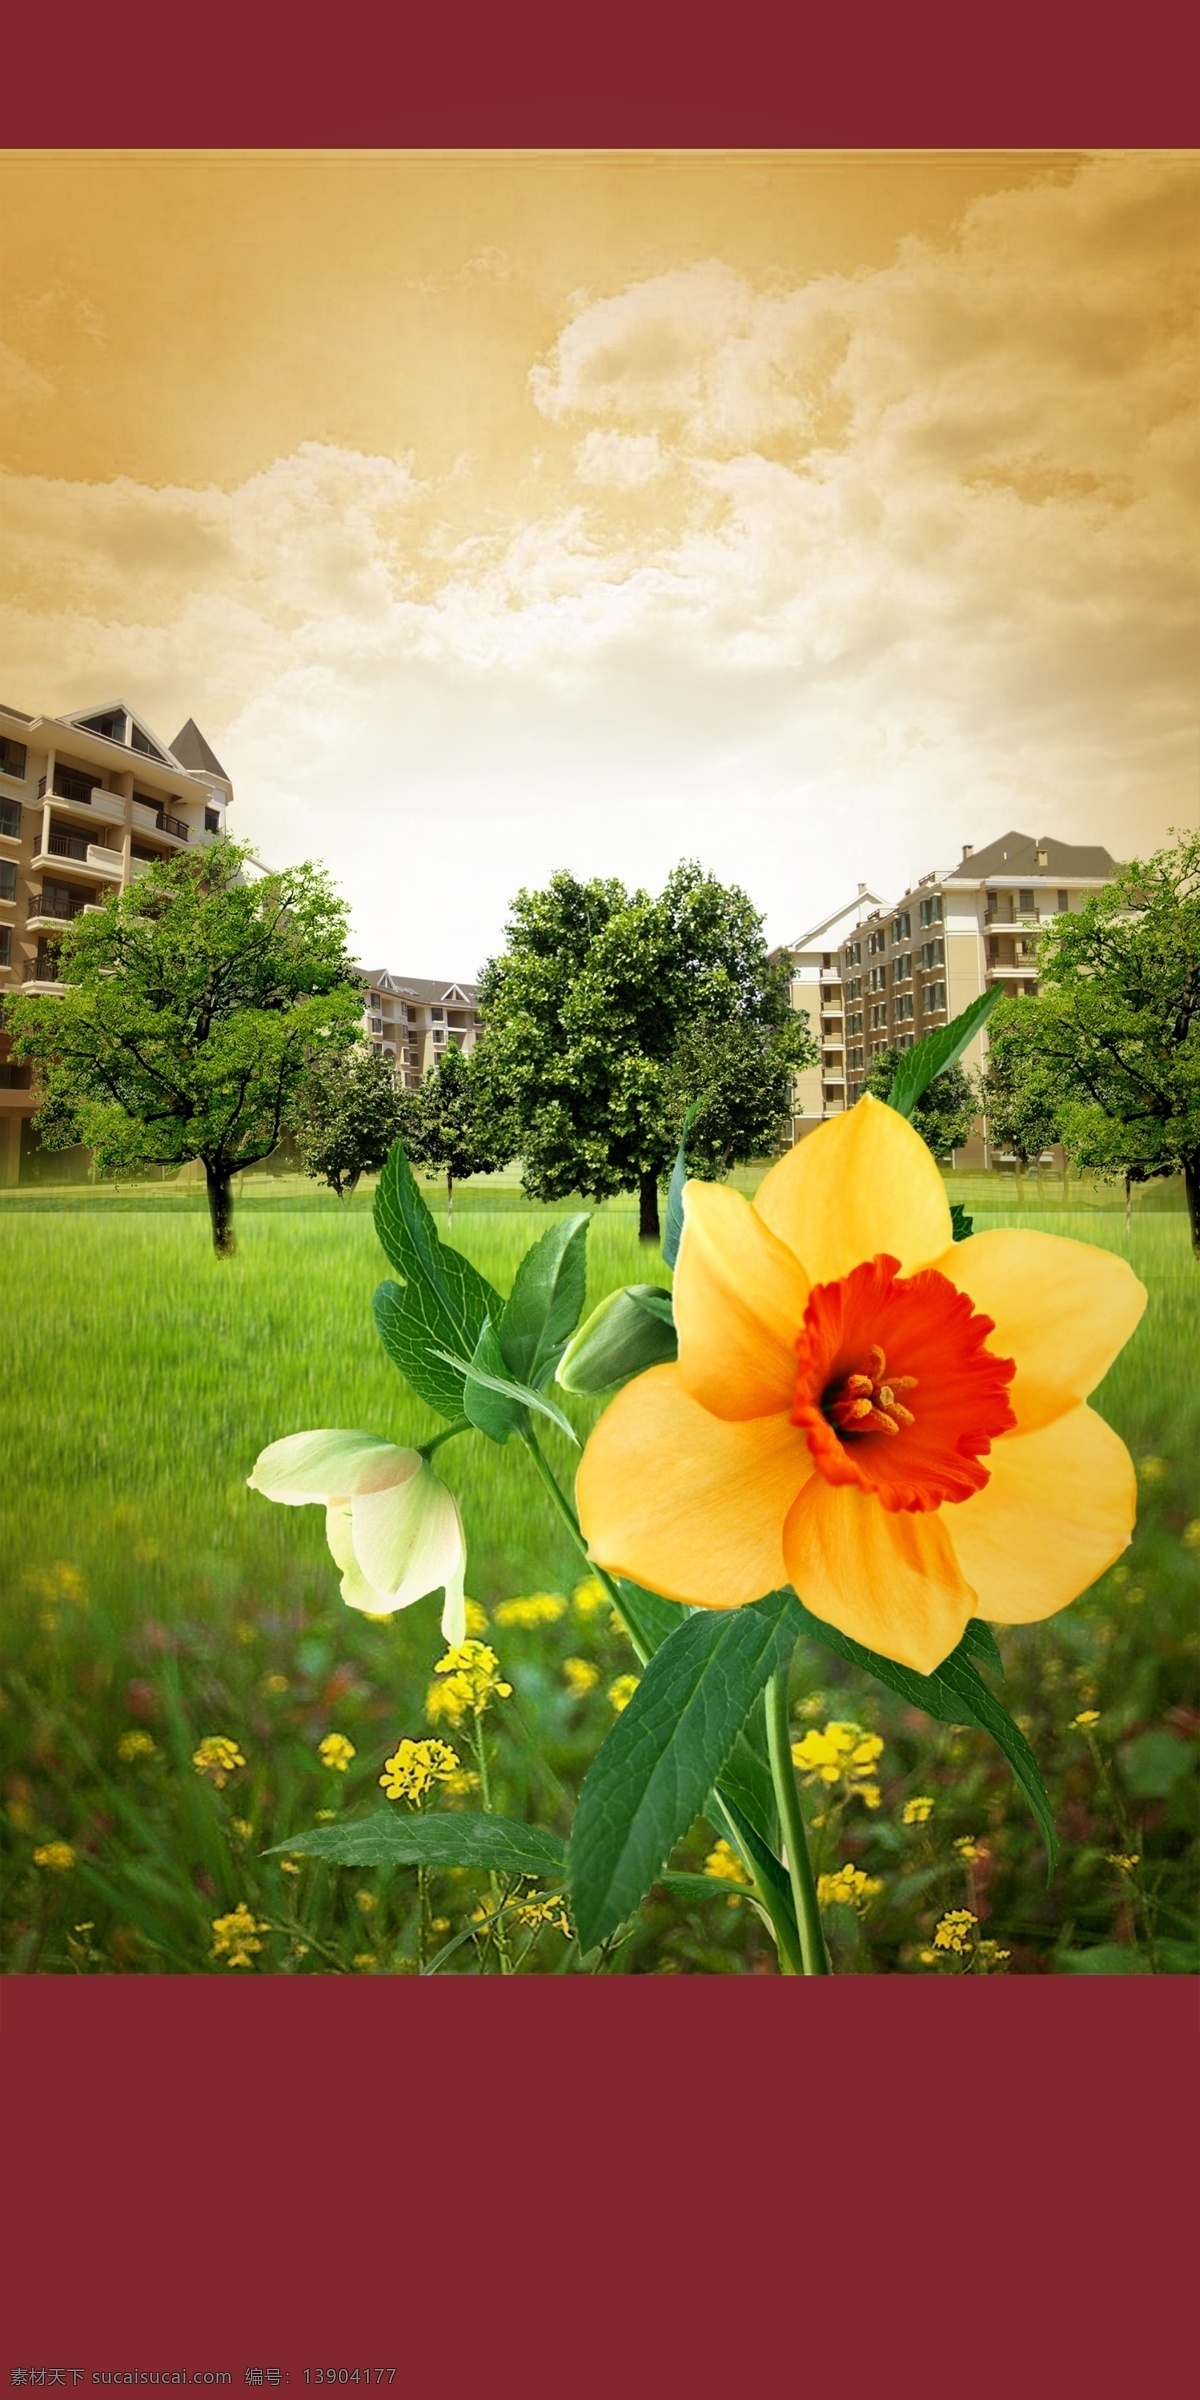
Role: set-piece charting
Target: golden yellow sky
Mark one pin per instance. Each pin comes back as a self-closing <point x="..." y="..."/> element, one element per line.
<point x="492" y="513"/>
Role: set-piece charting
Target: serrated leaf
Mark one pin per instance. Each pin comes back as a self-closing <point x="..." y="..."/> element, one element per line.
<point x="412" y="1331"/>
<point x="491" y="1411"/>
<point x="658" y="1764"/>
<point x="523" y="1392"/>
<point x="653" y="1618"/>
<point x="936" y="1051"/>
<point x="389" y="1839"/>
<point x="542" y="1309"/>
<point x="459" y="1295"/>
<point x="957" y="1694"/>
<point x="746" y="1780"/>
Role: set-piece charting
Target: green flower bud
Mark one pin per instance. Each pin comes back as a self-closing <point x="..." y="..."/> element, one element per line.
<point x="631" y="1330"/>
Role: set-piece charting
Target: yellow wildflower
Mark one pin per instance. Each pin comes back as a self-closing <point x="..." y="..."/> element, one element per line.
<point x="245" y="1633"/>
<point x="290" y="1866"/>
<point x="415" y="1767"/>
<point x="1152" y="1470"/>
<point x="62" y="1581"/>
<point x="461" y="1783"/>
<point x="365" y="1962"/>
<point x="242" y="1827"/>
<point x="812" y="1707"/>
<point x="216" y="1758"/>
<point x="366" y="1903"/>
<point x="543" y="1908"/>
<point x="841" y="1754"/>
<point x="539" y="1608"/>
<point x="849" y="1884"/>
<point x="621" y="1691"/>
<point x="991" y="1958"/>
<point x="235" y="1937"/>
<point x="133" y="1746"/>
<point x="1126" y="1864"/>
<point x="325" y="1816"/>
<point x="588" y="1597"/>
<point x="1087" y="1716"/>
<point x="919" y="1809"/>
<point x="59" y="1857"/>
<point x="471" y="1680"/>
<point x="1190" y="1537"/>
<point x="273" y="1687"/>
<point x="969" y="1849"/>
<point x="336" y="1752"/>
<point x="474" y="1617"/>
<point x="955" y="1929"/>
<point x="580" y="1677"/>
<point x="724" y="1865"/>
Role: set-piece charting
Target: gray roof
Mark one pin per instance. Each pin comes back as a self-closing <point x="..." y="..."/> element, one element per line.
<point x="418" y="987"/>
<point x="1016" y="854"/>
<point x="191" y="750"/>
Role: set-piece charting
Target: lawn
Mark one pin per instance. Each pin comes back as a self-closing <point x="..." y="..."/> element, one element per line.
<point x="148" y="1591"/>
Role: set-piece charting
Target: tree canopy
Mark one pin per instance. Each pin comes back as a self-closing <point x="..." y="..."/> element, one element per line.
<point x="602" y="1016"/>
<point x="345" y="1114"/>
<point x="1112" y="1040"/>
<point x="947" y="1109"/>
<point x="192" y="1000"/>
<point x="449" y="1122"/>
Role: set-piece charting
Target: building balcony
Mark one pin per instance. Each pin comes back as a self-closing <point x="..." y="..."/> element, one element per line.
<point x="175" y="830"/>
<point x="998" y="970"/>
<point x="47" y="913"/>
<point x="41" y="975"/>
<point x="91" y="858"/>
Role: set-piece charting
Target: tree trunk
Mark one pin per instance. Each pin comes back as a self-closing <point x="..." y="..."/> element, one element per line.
<point x="1191" y="1185"/>
<point x="220" y="1210"/>
<point x="649" y="1229"/>
<point x="352" y="1186"/>
<point x="1128" y="1203"/>
<point x="449" y="1201"/>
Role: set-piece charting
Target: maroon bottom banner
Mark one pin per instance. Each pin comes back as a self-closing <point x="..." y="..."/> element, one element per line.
<point x="571" y="2186"/>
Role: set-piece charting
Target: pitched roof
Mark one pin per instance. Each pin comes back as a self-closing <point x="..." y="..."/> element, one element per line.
<point x="420" y="987"/>
<point x="191" y="750"/>
<point x="1017" y="854"/>
<point x="864" y="901"/>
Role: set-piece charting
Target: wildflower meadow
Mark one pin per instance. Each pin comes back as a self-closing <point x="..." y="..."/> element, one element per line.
<point x="188" y="1698"/>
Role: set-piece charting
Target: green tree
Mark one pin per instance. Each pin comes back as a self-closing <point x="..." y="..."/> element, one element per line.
<point x="345" y="1114"/>
<point x="587" y="1015"/>
<point x="947" y="1108"/>
<point x="1019" y="1100"/>
<point x="192" y="1001"/>
<point x="449" y="1122"/>
<point x="1115" y="1027"/>
<point x="738" y="1078"/>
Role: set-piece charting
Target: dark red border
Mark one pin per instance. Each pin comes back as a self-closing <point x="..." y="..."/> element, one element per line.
<point x="633" y="74"/>
<point x="585" y="2184"/>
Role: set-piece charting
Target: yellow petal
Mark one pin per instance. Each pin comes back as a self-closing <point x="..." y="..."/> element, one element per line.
<point x="684" y="1503"/>
<point x="888" y="1578"/>
<point x="1058" y="1507"/>
<point x="739" y="1305"/>
<point x="862" y="1183"/>
<point x="1062" y="1309"/>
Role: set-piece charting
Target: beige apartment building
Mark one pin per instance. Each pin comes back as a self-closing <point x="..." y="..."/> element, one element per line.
<point x="816" y="985"/>
<point x="412" y="1019"/>
<point x="87" y="802"/>
<point x="879" y="975"/>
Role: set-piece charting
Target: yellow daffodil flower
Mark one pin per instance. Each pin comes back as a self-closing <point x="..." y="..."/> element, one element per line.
<point x="392" y="1526"/>
<point x="840" y="1419"/>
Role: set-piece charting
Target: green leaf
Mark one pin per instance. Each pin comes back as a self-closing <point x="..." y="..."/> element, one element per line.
<point x="653" y="1773"/>
<point x="957" y="1694"/>
<point x="673" y="1229"/>
<point x="454" y="1293"/>
<point x="654" y="1618"/>
<point x="493" y="1413"/>
<point x="542" y="1309"/>
<point x="703" y="1887"/>
<point x="937" y="1051"/>
<point x="979" y="1642"/>
<point x="522" y="1392"/>
<point x="962" y="1223"/>
<point x="390" y="1839"/>
<point x="624" y="1335"/>
<point x="412" y="1329"/>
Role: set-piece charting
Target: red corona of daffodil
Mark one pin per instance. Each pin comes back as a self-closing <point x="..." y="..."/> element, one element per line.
<point x="890" y="1421"/>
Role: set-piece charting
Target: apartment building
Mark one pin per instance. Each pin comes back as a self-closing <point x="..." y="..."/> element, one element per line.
<point x="87" y="802"/>
<point x="412" y="1019"/>
<point x="909" y="968"/>
<point x="814" y="963"/>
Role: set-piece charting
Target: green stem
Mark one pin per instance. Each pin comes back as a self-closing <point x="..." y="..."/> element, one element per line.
<point x="785" y="1930"/>
<point x="791" y="1817"/>
<point x="499" y="1929"/>
<point x="460" y="1425"/>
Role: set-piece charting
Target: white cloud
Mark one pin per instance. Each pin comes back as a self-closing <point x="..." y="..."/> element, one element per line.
<point x="833" y="579"/>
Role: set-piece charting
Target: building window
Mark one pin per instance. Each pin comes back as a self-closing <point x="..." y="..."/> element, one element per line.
<point x="933" y="954"/>
<point x="212" y="820"/>
<point x="935" y="996"/>
<point x="8" y="879"/>
<point x="10" y="819"/>
<point x="854" y="954"/>
<point x="876" y="941"/>
<point x="12" y="756"/>
<point x="904" y="1007"/>
<point x="931" y="909"/>
<point x="5" y="945"/>
<point x="902" y="929"/>
<point x="1064" y="902"/>
<point x="1025" y="903"/>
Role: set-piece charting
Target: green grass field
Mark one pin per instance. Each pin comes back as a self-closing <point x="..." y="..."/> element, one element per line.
<point x="147" y="1589"/>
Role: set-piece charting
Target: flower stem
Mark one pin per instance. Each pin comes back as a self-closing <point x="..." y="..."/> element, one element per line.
<point x="460" y="1425"/>
<point x="785" y="1930"/>
<point x="499" y="1928"/>
<point x="791" y="1817"/>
